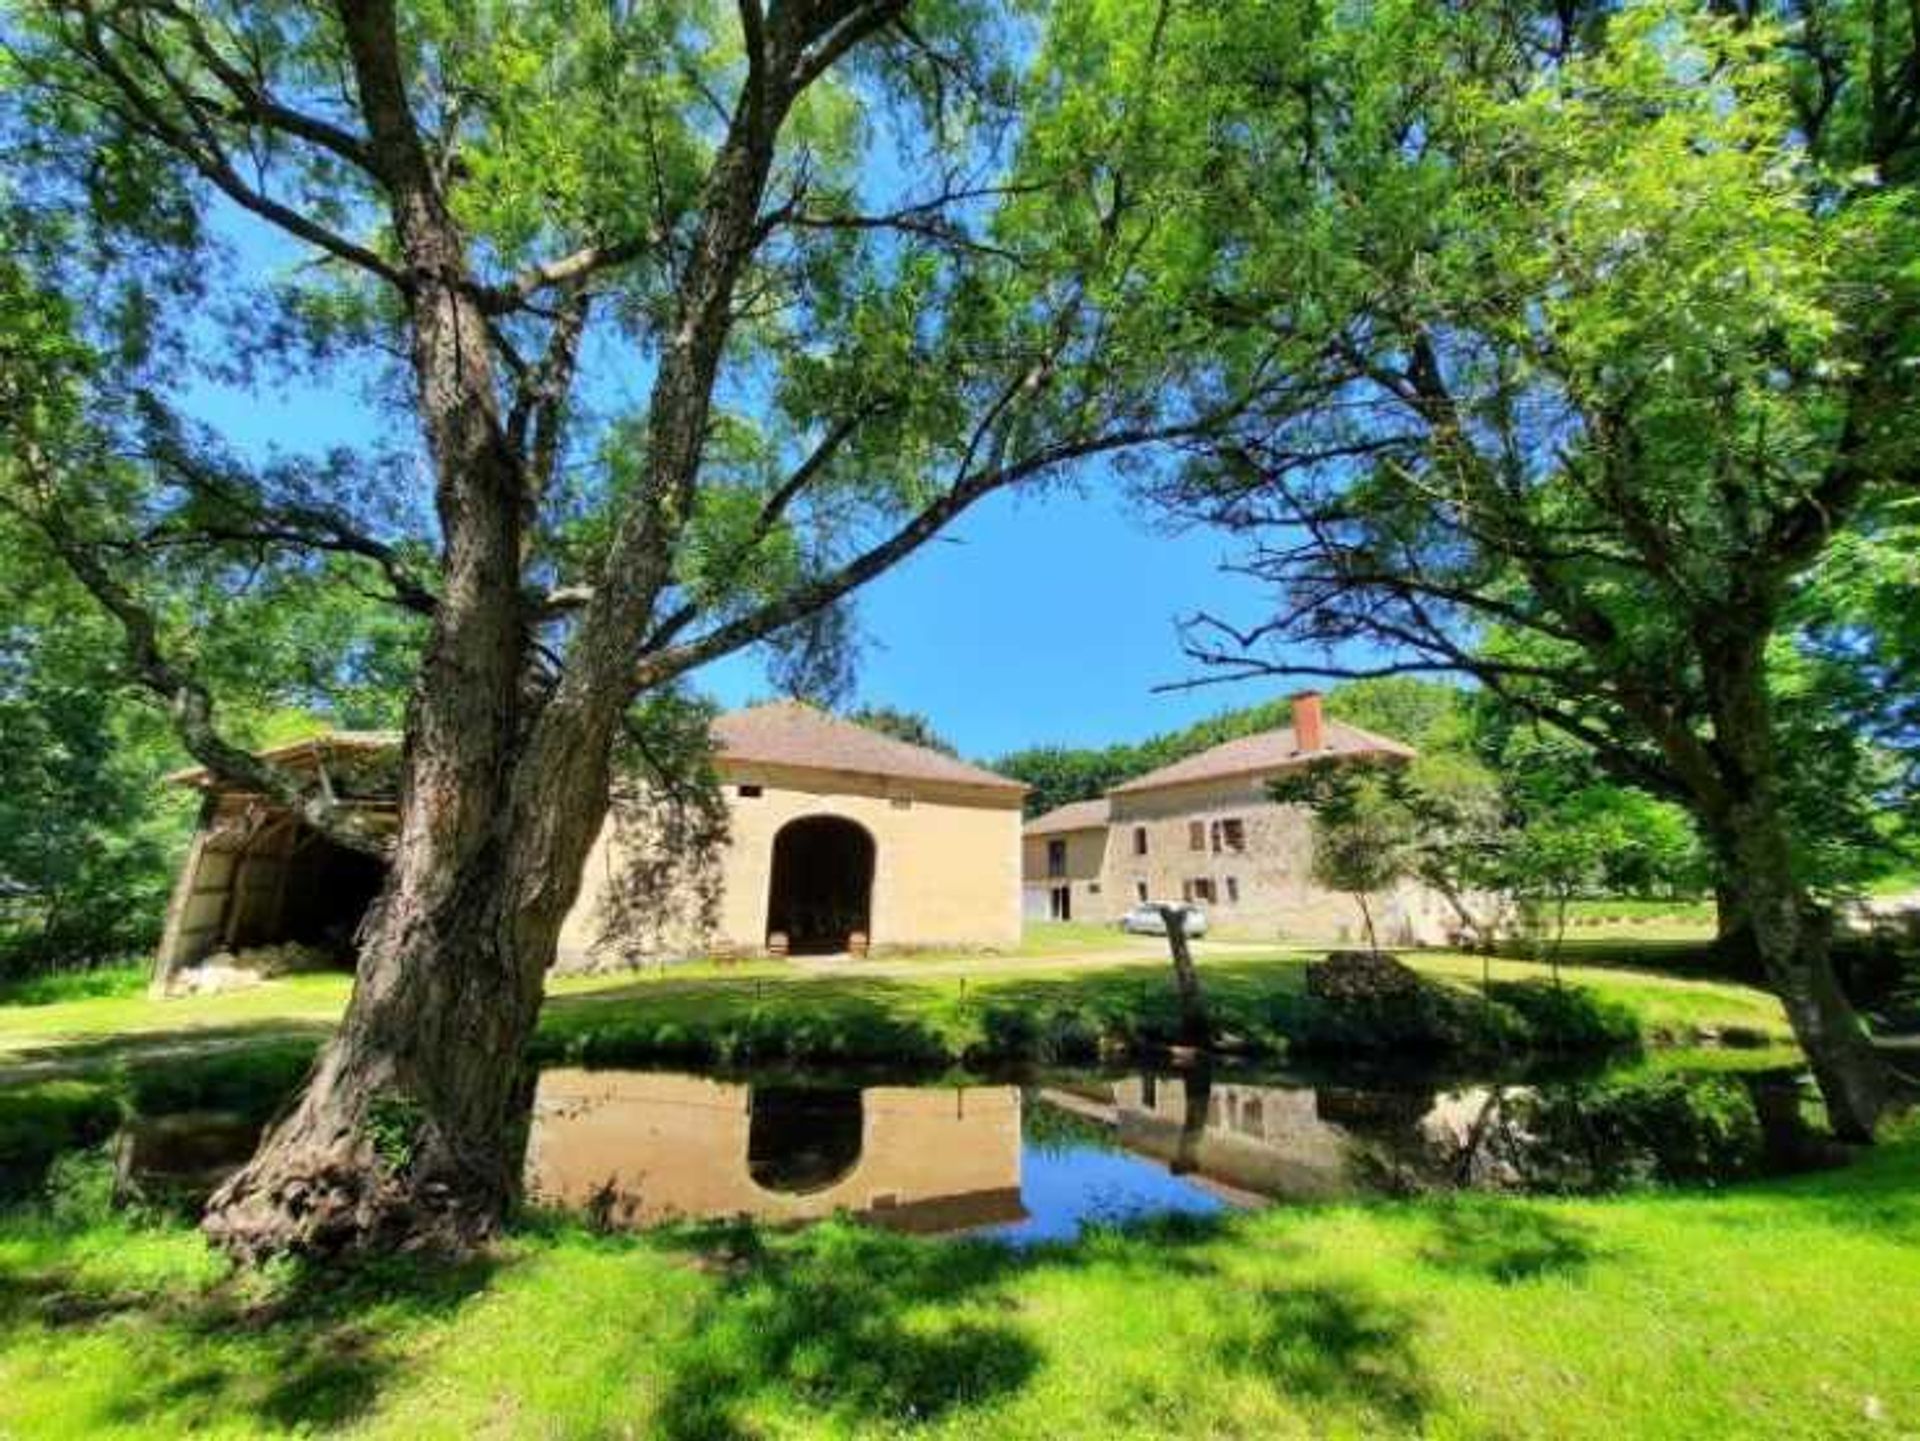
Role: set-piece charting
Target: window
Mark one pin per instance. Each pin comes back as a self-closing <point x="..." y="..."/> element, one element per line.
<point x="1056" y="858"/>
<point x="1093" y="888"/>
<point x="1230" y="834"/>
<point x="1140" y="890"/>
<point x="1139" y="840"/>
<point x="1233" y="890"/>
<point x="750" y="792"/>
<point x="1196" y="835"/>
<point x="1060" y="903"/>
<point x="1186" y="890"/>
<point x="1200" y="889"/>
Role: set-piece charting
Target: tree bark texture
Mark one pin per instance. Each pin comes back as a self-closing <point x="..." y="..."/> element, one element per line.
<point x="411" y="1130"/>
<point x="1750" y="832"/>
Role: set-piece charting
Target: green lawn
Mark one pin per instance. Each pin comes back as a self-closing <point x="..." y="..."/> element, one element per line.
<point x="1697" y="914"/>
<point x="1774" y="1309"/>
<point x="1777" y="1308"/>
<point x="929" y="1012"/>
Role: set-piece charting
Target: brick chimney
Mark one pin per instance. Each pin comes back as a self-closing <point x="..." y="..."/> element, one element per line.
<point x="1308" y="735"/>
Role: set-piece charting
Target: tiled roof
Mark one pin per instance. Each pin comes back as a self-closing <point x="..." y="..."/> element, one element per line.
<point x="788" y="733"/>
<point x="303" y="748"/>
<point x="783" y="733"/>
<point x="1073" y="816"/>
<point x="1262" y="754"/>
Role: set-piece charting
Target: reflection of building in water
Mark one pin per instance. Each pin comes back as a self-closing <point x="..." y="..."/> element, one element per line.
<point x="1292" y="1142"/>
<point x="641" y="1148"/>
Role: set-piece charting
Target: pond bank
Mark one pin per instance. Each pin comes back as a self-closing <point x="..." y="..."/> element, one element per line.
<point x="1774" y="1308"/>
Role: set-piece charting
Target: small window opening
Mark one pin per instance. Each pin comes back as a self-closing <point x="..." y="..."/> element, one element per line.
<point x="750" y="792"/>
<point x="1139" y="840"/>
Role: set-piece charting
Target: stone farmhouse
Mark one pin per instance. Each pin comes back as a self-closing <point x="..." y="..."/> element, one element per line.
<point x="834" y="838"/>
<point x="1205" y="830"/>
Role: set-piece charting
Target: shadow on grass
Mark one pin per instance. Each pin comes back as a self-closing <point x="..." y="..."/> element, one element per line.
<point x="1507" y="1242"/>
<point x="845" y="1323"/>
<point x="58" y="1057"/>
<point x="1336" y="1343"/>
<point x="298" y="1349"/>
<point x="854" y="1329"/>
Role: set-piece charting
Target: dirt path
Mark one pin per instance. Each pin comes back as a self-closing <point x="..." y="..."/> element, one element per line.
<point x="1147" y="951"/>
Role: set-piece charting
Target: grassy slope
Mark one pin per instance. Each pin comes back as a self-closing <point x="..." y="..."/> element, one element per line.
<point x="940" y="1001"/>
<point x="1779" y="1309"/>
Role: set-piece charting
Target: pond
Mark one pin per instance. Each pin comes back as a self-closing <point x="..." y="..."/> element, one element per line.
<point x="1041" y="1157"/>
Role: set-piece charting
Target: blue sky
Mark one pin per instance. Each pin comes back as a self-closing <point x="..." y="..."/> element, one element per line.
<point x="1038" y="617"/>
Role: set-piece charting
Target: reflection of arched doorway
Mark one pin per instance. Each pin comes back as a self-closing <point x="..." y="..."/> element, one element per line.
<point x="803" y="1138"/>
<point x="822" y="883"/>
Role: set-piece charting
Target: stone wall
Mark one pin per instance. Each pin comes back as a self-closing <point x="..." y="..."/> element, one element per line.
<point x="1265" y="888"/>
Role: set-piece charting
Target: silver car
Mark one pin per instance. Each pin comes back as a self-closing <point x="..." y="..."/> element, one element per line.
<point x="1146" y="920"/>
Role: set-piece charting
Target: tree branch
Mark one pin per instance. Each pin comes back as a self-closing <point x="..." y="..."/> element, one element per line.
<point x="190" y="705"/>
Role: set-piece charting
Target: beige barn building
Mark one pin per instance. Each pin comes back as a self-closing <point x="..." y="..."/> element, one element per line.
<point x="1205" y="830"/>
<point x="836" y="837"/>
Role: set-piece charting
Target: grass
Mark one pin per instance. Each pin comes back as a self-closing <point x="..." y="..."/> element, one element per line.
<point x="1776" y="1308"/>
<point x="1782" y="1308"/>
<point x="127" y="978"/>
<point x="1700" y="913"/>
<point x="933" y="1013"/>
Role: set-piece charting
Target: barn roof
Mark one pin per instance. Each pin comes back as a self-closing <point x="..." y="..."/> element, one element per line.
<point x="318" y="744"/>
<point x="1267" y="753"/>
<point x="1073" y="816"/>
<point x="789" y="733"/>
<point x="783" y="733"/>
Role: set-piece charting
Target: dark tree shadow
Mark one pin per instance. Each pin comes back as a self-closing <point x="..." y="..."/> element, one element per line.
<point x="1507" y="1242"/>
<point x="310" y="1351"/>
<point x="1336" y="1343"/>
<point x="842" y="1320"/>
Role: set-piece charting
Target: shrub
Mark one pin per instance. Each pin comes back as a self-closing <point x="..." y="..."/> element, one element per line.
<point x="1639" y="1129"/>
<point x="40" y="1123"/>
<point x="1567" y="1018"/>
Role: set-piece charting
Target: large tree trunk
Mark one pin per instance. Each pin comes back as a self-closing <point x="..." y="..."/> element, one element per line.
<point x="411" y="1130"/>
<point x="410" y="1133"/>
<point x="1734" y="942"/>
<point x="1749" y="829"/>
<point x="1791" y="936"/>
<point x="402" y="1136"/>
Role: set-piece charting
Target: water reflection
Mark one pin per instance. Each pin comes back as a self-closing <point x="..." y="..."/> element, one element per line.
<point x="636" y="1148"/>
<point x="1044" y="1160"/>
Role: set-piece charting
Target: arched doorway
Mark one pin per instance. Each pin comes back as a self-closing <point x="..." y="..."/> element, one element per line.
<point x="822" y="889"/>
<point x="802" y="1139"/>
